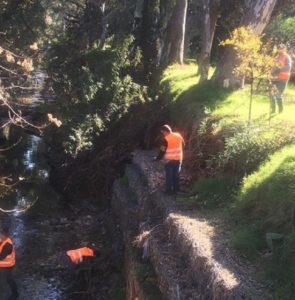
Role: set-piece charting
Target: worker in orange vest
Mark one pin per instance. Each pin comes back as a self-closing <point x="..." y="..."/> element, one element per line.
<point x="280" y="75"/>
<point x="8" y="287"/>
<point x="77" y="256"/>
<point x="78" y="260"/>
<point x="171" y="150"/>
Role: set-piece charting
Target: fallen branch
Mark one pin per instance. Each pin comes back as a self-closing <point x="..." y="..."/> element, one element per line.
<point x="15" y="210"/>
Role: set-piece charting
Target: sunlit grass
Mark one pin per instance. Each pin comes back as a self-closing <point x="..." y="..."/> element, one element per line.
<point x="263" y="201"/>
<point x="236" y="105"/>
<point x="182" y="82"/>
<point x="180" y="78"/>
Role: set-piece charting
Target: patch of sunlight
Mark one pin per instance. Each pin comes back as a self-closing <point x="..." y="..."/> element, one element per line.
<point x="236" y="105"/>
<point x="180" y="78"/>
<point x="278" y="161"/>
<point x="202" y="236"/>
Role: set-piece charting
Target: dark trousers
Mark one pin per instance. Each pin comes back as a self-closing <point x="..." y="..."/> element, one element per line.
<point x="277" y="95"/>
<point x="8" y="287"/>
<point x="172" y="170"/>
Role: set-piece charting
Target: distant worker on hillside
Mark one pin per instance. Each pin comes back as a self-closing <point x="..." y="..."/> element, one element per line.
<point x="8" y="287"/>
<point x="171" y="150"/>
<point x="280" y="75"/>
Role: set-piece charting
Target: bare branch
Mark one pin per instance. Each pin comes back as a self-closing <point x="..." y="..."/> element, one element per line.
<point x="15" y="210"/>
<point x="10" y="147"/>
<point x="19" y="117"/>
<point x="7" y="70"/>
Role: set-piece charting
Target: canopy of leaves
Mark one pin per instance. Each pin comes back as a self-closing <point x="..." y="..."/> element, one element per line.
<point x="253" y="55"/>
<point x="282" y="30"/>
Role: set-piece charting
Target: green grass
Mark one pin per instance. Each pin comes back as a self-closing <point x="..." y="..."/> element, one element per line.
<point x="266" y="204"/>
<point x="210" y="193"/>
<point x="146" y="277"/>
<point x="258" y="155"/>
<point x="236" y="106"/>
<point x="189" y="99"/>
<point x="268" y="195"/>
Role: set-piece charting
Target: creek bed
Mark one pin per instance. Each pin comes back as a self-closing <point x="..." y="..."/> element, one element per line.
<point x="43" y="226"/>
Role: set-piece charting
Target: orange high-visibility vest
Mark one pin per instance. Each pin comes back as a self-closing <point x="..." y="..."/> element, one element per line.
<point x="9" y="260"/>
<point x="174" y="148"/>
<point x="76" y="255"/>
<point x="281" y="59"/>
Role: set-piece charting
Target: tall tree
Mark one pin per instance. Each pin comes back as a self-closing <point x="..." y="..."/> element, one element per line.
<point x="257" y="14"/>
<point x="211" y="13"/>
<point x="149" y="38"/>
<point x="173" y="47"/>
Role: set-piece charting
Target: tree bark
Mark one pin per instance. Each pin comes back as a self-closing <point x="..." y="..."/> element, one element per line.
<point x="105" y="25"/>
<point x="257" y="15"/>
<point x="150" y="35"/>
<point x="173" y="47"/>
<point x="211" y="12"/>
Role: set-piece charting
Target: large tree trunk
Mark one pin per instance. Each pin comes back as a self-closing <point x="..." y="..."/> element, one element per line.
<point x="211" y="12"/>
<point x="173" y="47"/>
<point x="150" y="35"/>
<point x="93" y="21"/>
<point x="257" y="15"/>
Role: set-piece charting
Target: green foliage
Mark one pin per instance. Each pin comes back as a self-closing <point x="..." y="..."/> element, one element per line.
<point x="211" y="193"/>
<point x="253" y="55"/>
<point x="97" y="87"/>
<point x="22" y="22"/>
<point x="282" y="29"/>
<point x="266" y="203"/>
<point x="248" y="242"/>
<point x="81" y="136"/>
<point x="268" y="195"/>
<point x="250" y="146"/>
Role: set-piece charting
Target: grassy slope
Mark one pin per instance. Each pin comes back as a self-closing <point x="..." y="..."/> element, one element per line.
<point x="265" y="199"/>
<point x="181" y="82"/>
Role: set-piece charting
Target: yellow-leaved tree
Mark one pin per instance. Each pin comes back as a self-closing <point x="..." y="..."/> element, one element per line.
<point x="254" y="57"/>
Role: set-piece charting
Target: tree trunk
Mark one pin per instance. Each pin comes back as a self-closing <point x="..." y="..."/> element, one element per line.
<point x="105" y="26"/>
<point x="150" y="35"/>
<point x="257" y="15"/>
<point x="173" y="47"/>
<point x="211" y="12"/>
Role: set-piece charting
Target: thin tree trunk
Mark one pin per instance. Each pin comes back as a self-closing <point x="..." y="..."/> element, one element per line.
<point x="257" y="16"/>
<point x="105" y="26"/>
<point x="173" y="47"/>
<point x="211" y="11"/>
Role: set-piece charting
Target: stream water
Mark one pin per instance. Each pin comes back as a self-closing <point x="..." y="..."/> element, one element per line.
<point x="43" y="226"/>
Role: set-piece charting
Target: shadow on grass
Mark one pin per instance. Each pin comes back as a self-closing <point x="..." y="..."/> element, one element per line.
<point x="196" y="101"/>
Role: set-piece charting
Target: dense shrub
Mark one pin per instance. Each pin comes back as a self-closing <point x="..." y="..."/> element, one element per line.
<point x="97" y="87"/>
<point x="248" y="147"/>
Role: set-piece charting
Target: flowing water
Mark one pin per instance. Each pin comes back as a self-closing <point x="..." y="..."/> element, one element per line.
<point x="43" y="226"/>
